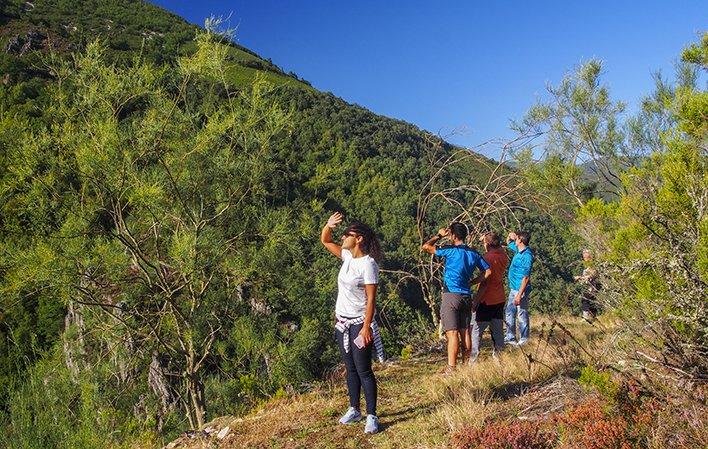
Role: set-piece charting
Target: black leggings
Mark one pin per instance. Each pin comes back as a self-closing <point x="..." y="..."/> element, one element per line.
<point x="588" y="303"/>
<point x="359" y="372"/>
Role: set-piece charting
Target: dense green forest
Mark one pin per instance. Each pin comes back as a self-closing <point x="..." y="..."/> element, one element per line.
<point x="162" y="192"/>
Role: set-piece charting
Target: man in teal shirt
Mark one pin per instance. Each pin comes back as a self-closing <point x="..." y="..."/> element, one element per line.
<point x="517" y="304"/>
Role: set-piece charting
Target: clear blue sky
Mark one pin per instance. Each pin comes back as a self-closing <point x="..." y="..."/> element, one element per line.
<point x="443" y="65"/>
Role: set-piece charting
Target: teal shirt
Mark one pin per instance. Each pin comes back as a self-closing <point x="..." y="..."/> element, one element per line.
<point x="520" y="267"/>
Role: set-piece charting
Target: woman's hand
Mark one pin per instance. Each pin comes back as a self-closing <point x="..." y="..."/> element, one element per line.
<point x="365" y="334"/>
<point x="326" y="234"/>
<point x="334" y="220"/>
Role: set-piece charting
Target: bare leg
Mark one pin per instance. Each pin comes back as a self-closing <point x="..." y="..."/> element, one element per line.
<point x="466" y="341"/>
<point x="452" y="346"/>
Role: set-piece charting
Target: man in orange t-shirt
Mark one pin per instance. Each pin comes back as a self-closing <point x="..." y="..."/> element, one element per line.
<point x="490" y="296"/>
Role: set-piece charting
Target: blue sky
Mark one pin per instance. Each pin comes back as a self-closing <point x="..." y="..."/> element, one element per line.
<point x="448" y="65"/>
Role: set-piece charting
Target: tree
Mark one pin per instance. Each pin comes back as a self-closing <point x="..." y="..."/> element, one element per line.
<point x="466" y="187"/>
<point x="581" y="135"/>
<point x="156" y="181"/>
<point x="653" y="241"/>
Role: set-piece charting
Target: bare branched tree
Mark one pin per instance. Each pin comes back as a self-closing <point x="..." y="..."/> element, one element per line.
<point x="467" y="187"/>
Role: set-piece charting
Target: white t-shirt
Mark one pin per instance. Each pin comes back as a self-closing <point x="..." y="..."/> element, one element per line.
<point x="354" y="274"/>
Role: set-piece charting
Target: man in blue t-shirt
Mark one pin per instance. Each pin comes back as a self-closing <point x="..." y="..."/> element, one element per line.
<point x="517" y="304"/>
<point x="455" y="309"/>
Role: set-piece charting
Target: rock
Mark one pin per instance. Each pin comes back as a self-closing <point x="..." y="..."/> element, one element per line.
<point x="13" y="45"/>
<point x="223" y="432"/>
<point x="19" y="45"/>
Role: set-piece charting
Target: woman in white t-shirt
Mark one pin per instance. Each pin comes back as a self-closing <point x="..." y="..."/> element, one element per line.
<point x="356" y="305"/>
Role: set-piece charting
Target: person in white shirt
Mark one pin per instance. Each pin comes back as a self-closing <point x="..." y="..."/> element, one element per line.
<point x="355" y="308"/>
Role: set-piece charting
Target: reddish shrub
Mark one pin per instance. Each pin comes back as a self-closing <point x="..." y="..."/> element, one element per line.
<point x="588" y="411"/>
<point x="505" y="435"/>
<point x="611" y="433"/>
<point x="626" y="422"/>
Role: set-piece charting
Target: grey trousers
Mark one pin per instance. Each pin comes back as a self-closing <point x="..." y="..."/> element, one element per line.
<point x="497" y="328"/>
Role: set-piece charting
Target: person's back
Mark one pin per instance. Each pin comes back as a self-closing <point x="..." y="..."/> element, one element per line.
<point x="493" y="287"/>
<point x="490" y="297"/>
<point x="460" y="263"/>
<point x="455" y="308"/>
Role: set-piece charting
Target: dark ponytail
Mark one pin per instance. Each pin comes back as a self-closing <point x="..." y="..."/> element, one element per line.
<point x="370" y="242"/>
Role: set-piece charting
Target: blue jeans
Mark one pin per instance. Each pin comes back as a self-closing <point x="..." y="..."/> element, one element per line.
<point x="511" y="312"/>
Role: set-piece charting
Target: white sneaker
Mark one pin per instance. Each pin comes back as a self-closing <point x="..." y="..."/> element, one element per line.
<point x="372" y="424"/>
<point x="352" y="415"/>
<point x="522" y="342"/>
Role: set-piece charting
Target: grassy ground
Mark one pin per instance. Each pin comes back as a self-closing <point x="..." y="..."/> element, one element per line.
<point x="420" y="408"/>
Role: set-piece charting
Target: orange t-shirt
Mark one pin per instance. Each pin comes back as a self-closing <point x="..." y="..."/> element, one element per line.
<point x="498" y="261"/>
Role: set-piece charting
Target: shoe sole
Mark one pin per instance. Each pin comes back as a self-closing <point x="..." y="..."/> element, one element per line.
<point x="351" y="421"/>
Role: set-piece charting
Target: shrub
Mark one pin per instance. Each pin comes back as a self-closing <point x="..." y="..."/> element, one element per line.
<point x="599" y="380"/>
<point x="506" y="435"/>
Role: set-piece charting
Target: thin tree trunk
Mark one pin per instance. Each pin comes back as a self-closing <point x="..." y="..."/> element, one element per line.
<point x="195" y="391"/>
<point x="197" y="396"/>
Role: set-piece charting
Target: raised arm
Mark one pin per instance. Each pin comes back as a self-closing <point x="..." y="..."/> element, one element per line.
<point x="326" y="235"/>
<point x="429" y="246"/>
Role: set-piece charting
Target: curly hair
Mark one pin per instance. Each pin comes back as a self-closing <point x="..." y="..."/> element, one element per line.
<point x="370" y="242"/>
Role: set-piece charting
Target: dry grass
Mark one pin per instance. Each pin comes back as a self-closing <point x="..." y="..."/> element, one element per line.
<point x="422" y="409"/>
<point x="488" y="388"/>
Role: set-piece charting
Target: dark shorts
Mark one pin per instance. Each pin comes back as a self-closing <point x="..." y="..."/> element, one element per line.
<point x="455" y="311"/>
<point x="489" y="313"/>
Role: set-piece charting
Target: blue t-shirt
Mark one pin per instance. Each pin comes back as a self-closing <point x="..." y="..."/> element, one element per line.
<point x="520" y="267"/>
<point x="460" y="262"/>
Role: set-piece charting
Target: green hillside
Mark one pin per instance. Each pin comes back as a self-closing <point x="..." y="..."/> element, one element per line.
<point x="126" y="27"/>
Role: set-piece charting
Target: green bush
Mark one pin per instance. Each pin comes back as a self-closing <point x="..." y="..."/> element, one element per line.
<point x="601" y="381"/>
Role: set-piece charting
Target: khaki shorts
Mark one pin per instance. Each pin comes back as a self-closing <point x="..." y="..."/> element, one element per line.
<point x="455" y="311"/>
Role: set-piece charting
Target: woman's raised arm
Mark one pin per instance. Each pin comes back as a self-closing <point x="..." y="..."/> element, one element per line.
<point x="326" y="236"/>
